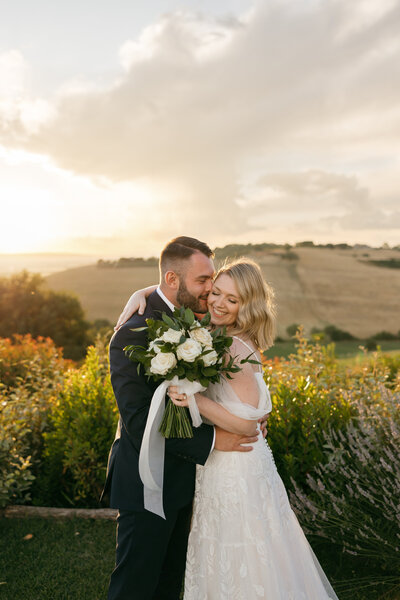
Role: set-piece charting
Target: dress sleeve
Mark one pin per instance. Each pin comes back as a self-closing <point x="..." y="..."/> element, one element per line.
<point x="244" y="383"/>
<point x="240" y="395"/>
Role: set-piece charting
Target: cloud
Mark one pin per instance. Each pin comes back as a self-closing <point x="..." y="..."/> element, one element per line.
<point x="331" y="202"/>
<point x="20" y="113"/>
<point x="201" y="103"/>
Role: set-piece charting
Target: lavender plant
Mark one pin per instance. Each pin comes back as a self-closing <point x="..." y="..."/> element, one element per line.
<point x="354" y="498"/>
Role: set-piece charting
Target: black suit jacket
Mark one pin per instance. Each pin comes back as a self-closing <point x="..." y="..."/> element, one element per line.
<point x="133" y="393"/>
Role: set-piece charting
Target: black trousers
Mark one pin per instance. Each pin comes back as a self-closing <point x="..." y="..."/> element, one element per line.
<point x="150" y="555"/>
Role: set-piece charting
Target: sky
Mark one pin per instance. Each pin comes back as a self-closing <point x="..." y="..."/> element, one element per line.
<point x="124" y="124"/>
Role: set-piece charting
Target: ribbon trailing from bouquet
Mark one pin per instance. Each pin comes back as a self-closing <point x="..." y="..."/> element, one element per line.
<point x="152" y="451"/>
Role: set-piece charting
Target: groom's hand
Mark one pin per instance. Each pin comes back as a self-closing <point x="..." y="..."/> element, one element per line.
<point x="263" y="425"/>
<point x="232" y="442"/>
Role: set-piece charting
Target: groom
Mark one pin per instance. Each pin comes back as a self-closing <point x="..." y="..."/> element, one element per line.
<point x="151" y="551"/>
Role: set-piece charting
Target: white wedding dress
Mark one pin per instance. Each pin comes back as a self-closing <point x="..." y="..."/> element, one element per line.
<point x="245" y="542"/>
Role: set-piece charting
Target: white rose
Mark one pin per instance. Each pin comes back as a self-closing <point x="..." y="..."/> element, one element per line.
<point x="189" y="350"/>
<point x="171" y="335"/>
<point x="210" y="358"/>
<point x="154" y="346"/>
<point x="201" y="335"/>
<point x="162" y="363"/>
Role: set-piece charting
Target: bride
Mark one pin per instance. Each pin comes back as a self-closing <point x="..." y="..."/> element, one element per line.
<point x="245" y="541"/>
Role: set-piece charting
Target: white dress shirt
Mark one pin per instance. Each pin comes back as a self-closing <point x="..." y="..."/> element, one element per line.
<point x="164" y="297"/>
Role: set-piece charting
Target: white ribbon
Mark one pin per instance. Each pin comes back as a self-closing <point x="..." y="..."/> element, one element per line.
<point x="152" y="450"/>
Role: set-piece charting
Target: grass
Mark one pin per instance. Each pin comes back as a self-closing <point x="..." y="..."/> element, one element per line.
<point x="65" y="559"/>
<point x="343" y="350"/>
<point x="72" y="559"/>
<point x="352" y="577"/>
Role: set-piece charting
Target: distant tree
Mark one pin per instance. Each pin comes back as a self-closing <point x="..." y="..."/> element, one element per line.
<point x="102" y="328"/>
<point x="127" y="263"/>
<point x="370" y="344"/>
<point x="292" y="329"/>
<point x="332" y="333"/>
<point x="232" y="250"/>
<point x="318" y="333"/>
<point x="343" y="246"/>
<point x="25" y="307"/>
<point x="289" y="255"/>
<point x="391" y="263"/>
<point x="384" y="335"/>
<point x="336" y="334"/>
<point x="306" y="244"/>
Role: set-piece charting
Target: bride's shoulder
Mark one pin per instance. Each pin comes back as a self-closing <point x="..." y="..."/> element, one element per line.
<point x="242" y="348"/>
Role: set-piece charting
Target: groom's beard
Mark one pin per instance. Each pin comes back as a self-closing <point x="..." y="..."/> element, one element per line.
<point x="185" y="298"/>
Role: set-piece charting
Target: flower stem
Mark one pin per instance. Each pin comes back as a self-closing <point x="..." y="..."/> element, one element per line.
<point x="175" y="422"/>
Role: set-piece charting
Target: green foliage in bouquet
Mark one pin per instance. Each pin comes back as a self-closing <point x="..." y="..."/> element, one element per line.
<point x="184" y="322"/>
<point x="181" y="346"/>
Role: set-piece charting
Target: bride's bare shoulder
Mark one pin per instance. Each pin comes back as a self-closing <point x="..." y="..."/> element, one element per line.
<point x="243" y="347"/>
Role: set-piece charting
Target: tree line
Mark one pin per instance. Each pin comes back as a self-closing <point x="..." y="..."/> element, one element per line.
<point x="26" y="306"/>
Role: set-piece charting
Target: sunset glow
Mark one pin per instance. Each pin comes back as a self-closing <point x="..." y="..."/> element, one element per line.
<point x="184" y="121"/>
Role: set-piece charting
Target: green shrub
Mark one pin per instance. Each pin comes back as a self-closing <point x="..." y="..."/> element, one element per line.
<point x="30" y="362"/>
<point x="306" y="400"/>
<point x="392" y="365"/>
<point x="23" y="420"/>
<point x="82" y="426"/>
<point x="312" y="393"/>
<point x="31" y="372"/>
<point x="15" y="463"/>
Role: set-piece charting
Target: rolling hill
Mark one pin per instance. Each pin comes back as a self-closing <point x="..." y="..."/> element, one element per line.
<point x="314" y="286"/>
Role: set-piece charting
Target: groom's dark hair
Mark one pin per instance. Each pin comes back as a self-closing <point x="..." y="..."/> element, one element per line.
<point x="179" y="249"/>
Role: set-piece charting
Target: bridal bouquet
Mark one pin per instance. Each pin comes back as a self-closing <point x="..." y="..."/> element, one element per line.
<point x="182" y="351"/>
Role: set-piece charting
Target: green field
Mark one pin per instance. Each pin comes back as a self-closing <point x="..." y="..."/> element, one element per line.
<point x="343" y="350"/>
<point x="319" y="288"/>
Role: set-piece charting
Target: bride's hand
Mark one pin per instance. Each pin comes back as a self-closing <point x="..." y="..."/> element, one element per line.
<point x="136" y="303"/>
<point x="177" y="398"/>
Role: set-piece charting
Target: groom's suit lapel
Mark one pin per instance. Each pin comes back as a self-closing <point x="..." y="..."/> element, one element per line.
<point x="157" y="305"/>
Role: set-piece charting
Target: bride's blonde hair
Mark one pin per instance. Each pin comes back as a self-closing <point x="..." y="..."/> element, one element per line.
<point x="256" y="316"/>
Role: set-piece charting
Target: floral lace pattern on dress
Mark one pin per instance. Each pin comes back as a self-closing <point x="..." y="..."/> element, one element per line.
<point x="245" y="542"/>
